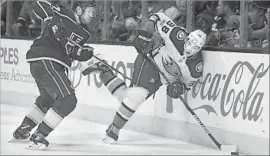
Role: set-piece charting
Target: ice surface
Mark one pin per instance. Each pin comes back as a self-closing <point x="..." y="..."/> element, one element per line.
<point x="80" y="137"/>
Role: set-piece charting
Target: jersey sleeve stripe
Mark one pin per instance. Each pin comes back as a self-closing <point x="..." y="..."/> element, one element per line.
<point x="40" y="5"/>
<point x="154" y="18"/>
<point x="48" y="18"/>
<point x="37" y="15"/>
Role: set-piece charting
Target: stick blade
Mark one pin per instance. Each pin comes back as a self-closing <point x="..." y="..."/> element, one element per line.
<point x="228" y="148"/>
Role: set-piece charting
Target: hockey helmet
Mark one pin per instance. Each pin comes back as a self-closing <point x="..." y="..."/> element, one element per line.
<point x="194" y="42"/>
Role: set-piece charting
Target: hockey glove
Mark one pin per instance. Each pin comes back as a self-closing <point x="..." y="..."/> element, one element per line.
<point x="84" y="54"/>
<point x="142" y="42"/>
<point x="176" y="89"/>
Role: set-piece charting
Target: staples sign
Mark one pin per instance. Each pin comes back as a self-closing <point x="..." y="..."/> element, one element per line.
<point x="9" y="55"/>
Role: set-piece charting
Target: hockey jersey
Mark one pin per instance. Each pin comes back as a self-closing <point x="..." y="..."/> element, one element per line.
<point x="170" y="58"/>
<point x="47" y="46"/>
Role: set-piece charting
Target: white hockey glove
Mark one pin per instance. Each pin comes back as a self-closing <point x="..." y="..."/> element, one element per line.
<point x="86" y="64"/>
<point x="91" y="66"/>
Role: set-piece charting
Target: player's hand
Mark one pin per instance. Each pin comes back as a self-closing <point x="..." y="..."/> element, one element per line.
<point x="142" y="42"/>
<point x="19" y="28"/>
<point x="176" y="89"/>
<point x="85" y="54"/>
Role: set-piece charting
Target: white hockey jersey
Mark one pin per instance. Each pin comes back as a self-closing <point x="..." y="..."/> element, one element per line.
<point x="170" y="58"/>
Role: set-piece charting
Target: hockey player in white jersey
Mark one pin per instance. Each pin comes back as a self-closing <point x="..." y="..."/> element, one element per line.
<point x="180" y="59"/>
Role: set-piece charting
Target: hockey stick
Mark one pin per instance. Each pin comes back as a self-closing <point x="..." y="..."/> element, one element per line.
<point x="76" y="44"/>
<point x="225" y="148"/>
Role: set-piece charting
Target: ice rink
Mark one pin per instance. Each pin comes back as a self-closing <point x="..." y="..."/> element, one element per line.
<point x="80" y="137"/>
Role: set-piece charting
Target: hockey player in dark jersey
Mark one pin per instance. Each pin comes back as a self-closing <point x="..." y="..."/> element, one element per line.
<point x="49" y="57"/>
<point x="180" y="60"/>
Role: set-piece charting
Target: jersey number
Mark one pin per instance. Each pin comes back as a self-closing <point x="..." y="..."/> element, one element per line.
<point x="167" y="27"/>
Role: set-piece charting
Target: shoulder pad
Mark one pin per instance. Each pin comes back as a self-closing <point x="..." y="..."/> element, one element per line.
<point x="195" y="65"/>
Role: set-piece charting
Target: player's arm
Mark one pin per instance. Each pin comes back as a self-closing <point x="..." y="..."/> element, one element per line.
<point x="195" y="72"/>
<point x="44" y="10"/>
<point x="143" y="40"/>
<point x="47" y="12"/>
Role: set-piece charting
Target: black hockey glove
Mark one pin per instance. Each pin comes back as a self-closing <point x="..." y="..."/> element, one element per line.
<point x="176" y="89"/>
<point x="84" y="54"/>
<point x="142" y="42"/>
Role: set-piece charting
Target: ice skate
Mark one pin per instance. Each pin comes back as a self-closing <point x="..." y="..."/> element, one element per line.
<point x="38" y="142"/>
<point x="93" y="66"/>
<point x="21" y="134"/>
<point x="111" y="135"/>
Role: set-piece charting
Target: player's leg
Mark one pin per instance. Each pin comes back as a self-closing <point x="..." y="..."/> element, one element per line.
<point x="54" y="79"/>
<point x="145" y="82"/>
<point x="38" y="110"/>
<point x="114" y="84"/>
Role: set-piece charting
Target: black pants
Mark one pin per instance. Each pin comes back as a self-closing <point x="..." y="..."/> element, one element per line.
<point x="52" y="82"/>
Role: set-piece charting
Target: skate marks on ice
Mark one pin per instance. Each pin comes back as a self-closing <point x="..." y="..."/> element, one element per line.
<point x="79" y="137"/>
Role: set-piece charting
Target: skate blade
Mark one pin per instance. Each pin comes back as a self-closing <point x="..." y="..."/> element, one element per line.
<point x="13" y="140"/>
<point x="109" y="140"/>
<point x="37" y="146"/>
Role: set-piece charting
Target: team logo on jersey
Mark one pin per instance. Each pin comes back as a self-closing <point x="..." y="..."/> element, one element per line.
<point x="181" y="35"/>
<point x="70" y="46"/>
<point x="171" y="67"/>
<point x="199" y="67"/>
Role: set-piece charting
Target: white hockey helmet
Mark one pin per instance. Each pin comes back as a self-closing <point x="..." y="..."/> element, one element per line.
<point x="194" y="42"/>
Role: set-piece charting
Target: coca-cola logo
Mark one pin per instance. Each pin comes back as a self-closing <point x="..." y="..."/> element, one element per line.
<point x="245" y="103"/>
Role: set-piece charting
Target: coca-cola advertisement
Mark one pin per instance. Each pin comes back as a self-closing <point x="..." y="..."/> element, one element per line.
<point x="233" y="94"/>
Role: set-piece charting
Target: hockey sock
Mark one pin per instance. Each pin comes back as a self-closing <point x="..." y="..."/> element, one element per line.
<point x="115" y="85"/>
<point x="28" y="123"/>
<point x="34" y="116"/>
<point x="51" y="120"/>
<point x="123" y="114"/>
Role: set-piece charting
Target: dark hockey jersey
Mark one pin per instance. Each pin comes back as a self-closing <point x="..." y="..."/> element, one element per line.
<point x="47" y="46"/>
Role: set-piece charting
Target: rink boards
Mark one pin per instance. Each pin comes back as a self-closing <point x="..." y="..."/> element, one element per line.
<point x="232" y="98"/>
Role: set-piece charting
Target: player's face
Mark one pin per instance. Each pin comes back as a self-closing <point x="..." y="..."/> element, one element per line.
<point x="190" y="48"/>
<point x="88" y="14"/>
<point x="253" y="14"/>
<point x="220" y="8"/>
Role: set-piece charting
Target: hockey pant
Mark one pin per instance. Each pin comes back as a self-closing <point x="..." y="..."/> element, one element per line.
<point x="145" y="82"/>
<point x="56" y="100"/>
